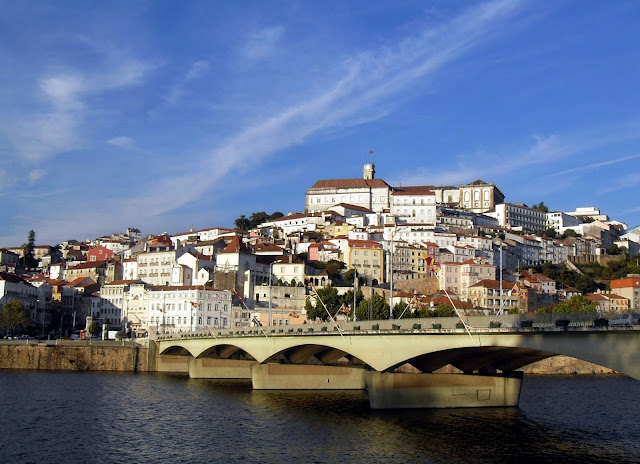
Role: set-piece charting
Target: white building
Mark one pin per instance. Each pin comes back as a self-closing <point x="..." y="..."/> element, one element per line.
<point x="480" y="196"/>
<point x="367" y="192"/>
<point x="560" y="221"/>
<point x="414" y="205"/>
<point x="519" y="217"/>
<point x="186" y="308"/>
<point x="589" y="212"/>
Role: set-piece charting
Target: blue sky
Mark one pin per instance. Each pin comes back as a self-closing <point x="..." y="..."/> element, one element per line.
<point x="167" y="115"/>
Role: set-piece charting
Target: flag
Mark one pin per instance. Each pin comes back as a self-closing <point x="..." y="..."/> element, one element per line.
<point x="293" y="314"/>
<point x="524" y="294"/>
<point x="194" y="304"/>
<point x="515" y="290"/>
<point x="371" y="151"/>
<point x="344" y="309"/>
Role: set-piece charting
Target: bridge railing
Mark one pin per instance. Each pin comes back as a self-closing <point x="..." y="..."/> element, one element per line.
<point x="504" y="323"/>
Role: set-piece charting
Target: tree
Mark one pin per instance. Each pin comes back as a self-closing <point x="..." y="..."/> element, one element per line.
<point x="541" y="206"/>
<point x="257" y="218"/>
<point x="569" y="233"/>
<point x="14" y="315"/>
<point x="242" y="223"/>
<point x="444" y="310"/>
<point x="328" y="296"/>
<point x="576" y="304"/>
<point x="28" y="249"/>
<point x="275" y="215"/>
<point x="378" y="307"/>
<point x="550" y="232"/>
<point x="94" y="329"/>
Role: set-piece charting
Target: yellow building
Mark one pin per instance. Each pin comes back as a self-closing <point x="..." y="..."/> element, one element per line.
<point x="367" y="257"/>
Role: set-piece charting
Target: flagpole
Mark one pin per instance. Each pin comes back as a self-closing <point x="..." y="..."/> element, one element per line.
<point x="355" y="279"/>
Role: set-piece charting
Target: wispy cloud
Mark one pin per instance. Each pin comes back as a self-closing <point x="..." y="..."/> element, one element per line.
<point x="263" y="43"/>
<point x="592" y="166"/>
<point x="369" y="84"/>
<point x="176" y="92"/>
<point x="64" y="107"/>
<point x="122" y="142"/>
<point x="542" y="151"/>
<point x="622" y="183"/>
<point x="37" y="174"/>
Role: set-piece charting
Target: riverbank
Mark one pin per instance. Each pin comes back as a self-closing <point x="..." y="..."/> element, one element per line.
<point x="75" y="357"/>
<point x="137" y="358"/>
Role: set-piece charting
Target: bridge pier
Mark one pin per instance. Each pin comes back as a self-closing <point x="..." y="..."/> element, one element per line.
<point x="307" y="377"/>
<point x="172" y="364"/>
<point x="213" y="368"/>
<point x="391" y="391"/>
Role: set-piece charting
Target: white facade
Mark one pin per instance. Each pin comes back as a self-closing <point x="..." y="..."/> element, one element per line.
<point x="519" y="217"/>
<point x="560" y="221"/>
<point x="414" y="205"/>
<point x="186" y="308"/>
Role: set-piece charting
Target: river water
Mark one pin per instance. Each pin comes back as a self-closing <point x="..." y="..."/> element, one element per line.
<point x="63" y="417"/>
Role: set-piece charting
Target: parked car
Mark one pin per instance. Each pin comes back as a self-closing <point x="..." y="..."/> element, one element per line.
<point x="625" y="319"/>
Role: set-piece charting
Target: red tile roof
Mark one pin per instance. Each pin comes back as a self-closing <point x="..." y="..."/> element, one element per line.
<point x="88" y="265"/>
<point x="626" y="282"/>
<point x="350" y="183"/>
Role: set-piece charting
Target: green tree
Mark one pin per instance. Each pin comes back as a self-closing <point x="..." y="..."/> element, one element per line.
<point x="94" y="329"/>
<point x="550" y="232"/>
<point x="328" y="296"/>
<point x="28" y="250"/>
<point x="242" y="223"/>
<point x="444" y="310"/>
<point x="402" y="307"/>
<point x="14" y="315"/>
<point x="275" y="215"/>
<point x="569" y="233"/>
<point x="576" y="304"/>
<point x="541" y="206"/>
<point x="257" y="218"/>
<point x="613" y="250"/>
<point x="377" y="305"/>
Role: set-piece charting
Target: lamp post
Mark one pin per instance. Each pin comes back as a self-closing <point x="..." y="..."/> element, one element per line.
<point x="38" y="309"/>
<point x="270" y="288"/>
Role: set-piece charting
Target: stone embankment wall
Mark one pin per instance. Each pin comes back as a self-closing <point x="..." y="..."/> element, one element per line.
<point x="74" y="357"/>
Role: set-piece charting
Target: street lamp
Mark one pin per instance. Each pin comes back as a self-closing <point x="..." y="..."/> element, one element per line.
<point x="270" y="288"/>
<point x="38" y="309"/>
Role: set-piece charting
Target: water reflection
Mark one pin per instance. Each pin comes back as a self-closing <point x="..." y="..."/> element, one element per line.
<point x="64" y="417"/>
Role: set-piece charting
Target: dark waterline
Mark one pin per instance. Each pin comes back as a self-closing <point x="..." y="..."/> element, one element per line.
<point x="60" y="417"/>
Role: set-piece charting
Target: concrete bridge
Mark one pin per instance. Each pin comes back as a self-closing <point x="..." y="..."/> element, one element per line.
<point x="368" y="354"/>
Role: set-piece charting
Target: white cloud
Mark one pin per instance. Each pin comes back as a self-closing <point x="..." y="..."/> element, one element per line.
<point x="622" y="183"/>
<point x="55" y="127"/>
<point x="369" y="82"/>
<point x="197" y="69"/>
<point x="122" y="142"/>
<point x="37" y="174"/>
<point x="176" y="92"/>
<point x="263" y="43"/>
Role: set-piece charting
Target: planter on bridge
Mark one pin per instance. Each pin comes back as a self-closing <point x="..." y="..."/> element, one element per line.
<point x="356" y="327"/>
<point x="417" y="326"/>
<point x="601" y="322"/>
<point x="324" y="329"/>
<point x="459" y="325"/>
<point x="495" y="324"/>
<point x="562" y="323"/>
<point x="526" y="324"/>
<point x="395" y="327"/>
<point x="375" y="327"/>
<point x="436" y="326"/>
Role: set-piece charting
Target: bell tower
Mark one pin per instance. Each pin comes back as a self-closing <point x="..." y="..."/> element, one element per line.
<point x="369" y="171"/>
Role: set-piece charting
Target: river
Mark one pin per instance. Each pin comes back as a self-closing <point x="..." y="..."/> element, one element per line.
<point x="62" y="417"/>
